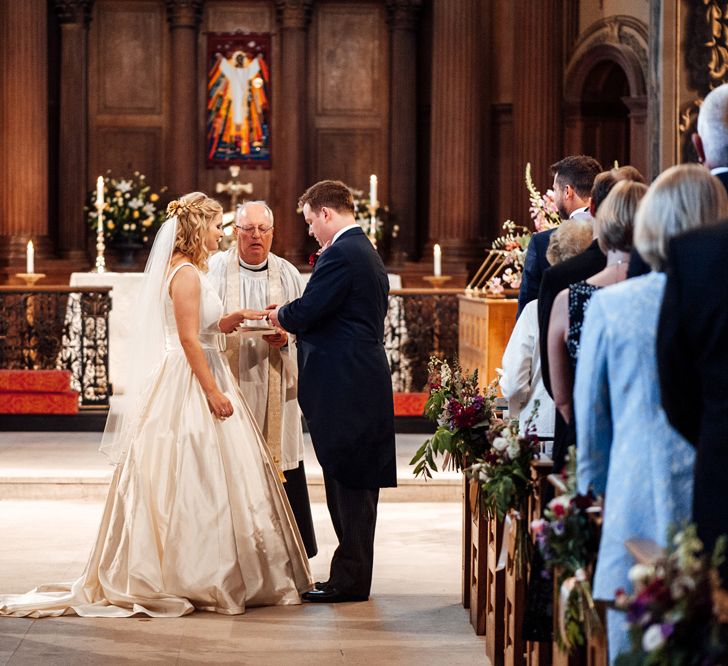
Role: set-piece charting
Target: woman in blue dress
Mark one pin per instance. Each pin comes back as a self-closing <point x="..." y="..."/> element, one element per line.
<point x="626" y="449"/>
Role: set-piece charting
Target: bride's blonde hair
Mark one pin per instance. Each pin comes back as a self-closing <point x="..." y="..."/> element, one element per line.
<point x="194" y="213"/>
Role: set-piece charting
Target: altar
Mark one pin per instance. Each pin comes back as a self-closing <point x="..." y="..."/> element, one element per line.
<point x="125" y="288"/>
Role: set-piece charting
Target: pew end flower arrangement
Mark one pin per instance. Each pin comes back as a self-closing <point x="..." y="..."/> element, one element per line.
<point x="503" y="473"/>
<point x="463" y="415"/>
<point x="672" y="615"/>
<point x="568" y="539"/>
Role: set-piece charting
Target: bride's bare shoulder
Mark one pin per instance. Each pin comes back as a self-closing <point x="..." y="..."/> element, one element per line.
<point x="179" y="276"/>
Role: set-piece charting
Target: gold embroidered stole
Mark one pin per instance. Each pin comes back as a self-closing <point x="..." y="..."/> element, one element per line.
<point x="273" y="412"/>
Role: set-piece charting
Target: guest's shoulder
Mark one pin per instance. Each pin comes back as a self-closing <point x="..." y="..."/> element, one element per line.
<point x="633" y="295"/>
<point x="706" y="239"/>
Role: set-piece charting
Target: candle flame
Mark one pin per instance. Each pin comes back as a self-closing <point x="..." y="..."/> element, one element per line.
<point x="30" y="245"/>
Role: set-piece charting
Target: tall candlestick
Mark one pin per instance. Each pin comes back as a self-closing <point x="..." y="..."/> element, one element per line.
<point x="30" y="258"/>
<point x="99" y="203"/>
<point x="373" y="190"/>
<point x="437" y="257"/>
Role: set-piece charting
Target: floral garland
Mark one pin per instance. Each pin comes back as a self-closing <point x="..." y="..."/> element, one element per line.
<point x="671" y="614"/>
<point x="568" y="540"/>
<point x="504" y="475"/>
<point x="463" y="415"/>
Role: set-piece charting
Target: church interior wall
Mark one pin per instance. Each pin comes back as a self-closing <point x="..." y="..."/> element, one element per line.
<point x="348" y="100"/>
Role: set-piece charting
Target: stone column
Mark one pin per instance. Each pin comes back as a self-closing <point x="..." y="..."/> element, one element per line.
<point x="402" y="17"/>
<point x="293" y="19"/>
<point x="184" y="18"/>
<point x="537" y="96"/>
<point x="74" y="182"/>
<point x="455" y="153"/>
<point x="23" y="129"/>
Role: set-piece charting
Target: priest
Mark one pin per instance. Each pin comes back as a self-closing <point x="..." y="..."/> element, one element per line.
<point x="249" y="275"/>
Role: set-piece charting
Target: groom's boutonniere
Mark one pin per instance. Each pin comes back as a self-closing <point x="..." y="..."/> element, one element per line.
<point x="313" y="257"/>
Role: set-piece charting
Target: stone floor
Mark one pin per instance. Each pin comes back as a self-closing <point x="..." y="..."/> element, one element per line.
<point x="414" y="616"/>
<point x="67" y="465"/>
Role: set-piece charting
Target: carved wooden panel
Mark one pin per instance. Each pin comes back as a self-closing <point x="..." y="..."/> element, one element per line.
<point x="348" y="46"/>
<point x="128" y="149"/>
<point x="129" y="40"/>
<point x="349" y="70"/>
<point x="251" y="17"/>
<point x="346" y="155"/>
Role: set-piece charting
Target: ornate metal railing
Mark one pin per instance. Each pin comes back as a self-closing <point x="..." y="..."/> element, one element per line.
<point x="59" y="328"/>
<point x="420" y="323"/>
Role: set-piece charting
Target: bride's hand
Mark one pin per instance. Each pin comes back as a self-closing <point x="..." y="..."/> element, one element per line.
<point x="231" y="321"/>
<point x="220" y="406"/>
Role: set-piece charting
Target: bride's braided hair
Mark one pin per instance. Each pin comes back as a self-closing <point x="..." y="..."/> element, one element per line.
<point x="194" y="213"/>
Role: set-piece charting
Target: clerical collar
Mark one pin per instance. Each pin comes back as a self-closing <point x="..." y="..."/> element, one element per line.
<point x="256" y="268"/>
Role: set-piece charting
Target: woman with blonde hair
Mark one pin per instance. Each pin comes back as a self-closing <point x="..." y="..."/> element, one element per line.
<point x="626" y="449"/>
<point x="196" y="517"/>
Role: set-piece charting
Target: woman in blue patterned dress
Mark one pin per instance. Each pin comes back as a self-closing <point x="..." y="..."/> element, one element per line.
<point x="626" y="449"/>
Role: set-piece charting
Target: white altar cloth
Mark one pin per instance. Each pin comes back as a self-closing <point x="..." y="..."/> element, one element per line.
<point x="125" y="287"/>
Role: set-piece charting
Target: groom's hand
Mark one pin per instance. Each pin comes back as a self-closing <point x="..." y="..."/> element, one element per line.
<point x="277" y="340"/>
<point x="272" y="311"/>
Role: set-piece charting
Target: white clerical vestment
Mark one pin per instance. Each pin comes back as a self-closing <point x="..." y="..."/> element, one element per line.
<point x="253" y="369"/>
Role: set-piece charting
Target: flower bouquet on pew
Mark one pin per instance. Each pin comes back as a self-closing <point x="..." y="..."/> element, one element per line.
<point x="504" y="475"/>
<point x="672" y="613"/>
<point x="568" y="540"/>
<point x="463" y="415"/>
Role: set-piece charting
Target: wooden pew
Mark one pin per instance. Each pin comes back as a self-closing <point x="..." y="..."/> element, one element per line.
<point x="561" y="657"/>
<point x="537" y="653"/>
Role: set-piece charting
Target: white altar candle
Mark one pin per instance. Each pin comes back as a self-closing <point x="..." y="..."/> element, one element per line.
<point x="437" y="256"/>
<point x="30" y="258"/>
<point x="373" y="190"/>
<point x="99" y="203"/>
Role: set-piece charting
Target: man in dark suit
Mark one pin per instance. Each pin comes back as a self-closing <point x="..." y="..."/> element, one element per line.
<point x="692" y="358"/>
<point x="573" y="180"/>
<point x="345" y="384"/>
<point x="692" y="336"/>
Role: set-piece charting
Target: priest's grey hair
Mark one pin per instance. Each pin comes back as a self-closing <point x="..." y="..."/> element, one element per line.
<point x="713" y="126"/>
<point x="241" y="210"/>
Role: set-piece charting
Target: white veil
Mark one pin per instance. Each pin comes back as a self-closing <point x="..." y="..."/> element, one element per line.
<point x="146" y="345"/>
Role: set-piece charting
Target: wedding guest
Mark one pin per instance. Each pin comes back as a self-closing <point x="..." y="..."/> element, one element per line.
<point x="557" y="278"/>
<point x="573" y="180"/>
<point x="614" y="224"/>
<point x="520" y="382"/>
<point x="627" y="450"/>
<point x="345" y="385"/>
<point x="249" y="275"/>
<point x="699" y="414"/>
<point x="196" y="516"/>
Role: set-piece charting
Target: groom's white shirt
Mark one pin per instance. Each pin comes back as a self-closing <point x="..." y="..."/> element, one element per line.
<point x="253" y="359"/>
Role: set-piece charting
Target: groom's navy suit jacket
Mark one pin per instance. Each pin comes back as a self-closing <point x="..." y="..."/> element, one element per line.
<point x="344" y="380"/>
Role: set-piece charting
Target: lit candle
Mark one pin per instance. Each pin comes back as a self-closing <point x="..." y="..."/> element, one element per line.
<point x="373" y="190"/>
<point x="30" y="258"/>
<point x="99" y="203"/>
<point x="437" y="256"/>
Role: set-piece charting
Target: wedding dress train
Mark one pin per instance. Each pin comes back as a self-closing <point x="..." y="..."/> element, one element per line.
<point x="196" y="516"/>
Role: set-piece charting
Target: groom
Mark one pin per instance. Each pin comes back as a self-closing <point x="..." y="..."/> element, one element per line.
<point x="345" y="385"/>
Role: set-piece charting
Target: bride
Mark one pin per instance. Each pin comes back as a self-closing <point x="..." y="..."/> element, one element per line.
<point x="196" y="516"/>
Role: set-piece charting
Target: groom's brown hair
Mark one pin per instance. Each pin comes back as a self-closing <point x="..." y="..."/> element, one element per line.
<point x="330" y="193"/>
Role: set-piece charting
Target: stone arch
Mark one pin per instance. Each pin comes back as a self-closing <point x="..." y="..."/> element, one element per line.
<point x="613" y="50"/>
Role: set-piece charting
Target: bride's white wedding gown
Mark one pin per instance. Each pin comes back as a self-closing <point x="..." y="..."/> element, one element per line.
<point x="196" y="516"/>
